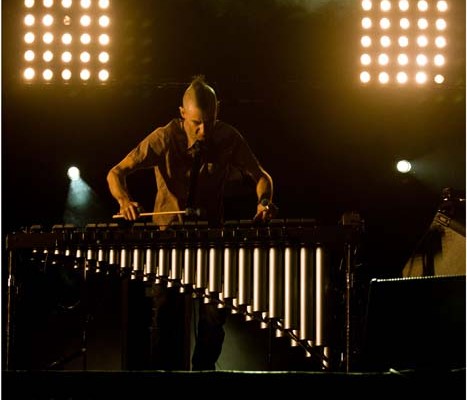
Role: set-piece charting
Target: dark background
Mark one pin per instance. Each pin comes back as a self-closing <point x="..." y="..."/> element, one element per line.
<point x="286" y="75"/>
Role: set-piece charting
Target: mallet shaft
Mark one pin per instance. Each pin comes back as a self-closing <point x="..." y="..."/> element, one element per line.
<point x="150" y="214"/>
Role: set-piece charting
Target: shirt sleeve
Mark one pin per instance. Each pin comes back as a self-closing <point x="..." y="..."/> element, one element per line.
<point x="148" y="152"/>
<point x="244" y="159"/>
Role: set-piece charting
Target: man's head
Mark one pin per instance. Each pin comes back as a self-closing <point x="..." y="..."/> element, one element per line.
<point x="199" y="110"/>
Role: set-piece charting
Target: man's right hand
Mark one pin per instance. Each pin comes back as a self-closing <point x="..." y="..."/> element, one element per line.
<point x="130" y="210"/>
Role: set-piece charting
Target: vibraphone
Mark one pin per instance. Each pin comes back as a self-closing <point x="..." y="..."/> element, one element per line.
<point x="291" y="275"/>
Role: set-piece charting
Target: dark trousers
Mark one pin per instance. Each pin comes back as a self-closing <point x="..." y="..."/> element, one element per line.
<point x="209" y="336"/>
<point x="170" y="331"/>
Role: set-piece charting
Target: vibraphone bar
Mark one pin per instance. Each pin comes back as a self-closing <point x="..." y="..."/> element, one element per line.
<point x="280" y="273"/>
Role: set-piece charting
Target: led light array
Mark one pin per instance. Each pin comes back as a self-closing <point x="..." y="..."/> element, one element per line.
<point x="403" y="41"/>
<point x="66" y="41"/>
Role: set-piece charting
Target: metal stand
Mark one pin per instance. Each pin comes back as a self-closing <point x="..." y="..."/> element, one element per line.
<point x="83" y="350"/>
<point x="348" y="295"/>
<point x="353" y="220"/>
<point x="11" y="295"/>
<point x="15" y="245"/>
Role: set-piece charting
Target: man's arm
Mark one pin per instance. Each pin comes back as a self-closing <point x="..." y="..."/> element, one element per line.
<point x="265" y="209"/>
<point x="116" y="179"/>
<point x="264" y="186"/>
<point x="246" y="161"/>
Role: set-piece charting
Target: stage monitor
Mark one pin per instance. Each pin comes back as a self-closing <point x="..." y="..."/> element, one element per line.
<point x="415" y="323"/>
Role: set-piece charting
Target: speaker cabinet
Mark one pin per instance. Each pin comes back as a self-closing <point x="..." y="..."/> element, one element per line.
<point x="415" y="323"/>
<point x="441" y="250"/>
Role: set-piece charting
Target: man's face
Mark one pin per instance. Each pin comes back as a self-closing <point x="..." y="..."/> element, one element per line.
<point x="198" y="122"/>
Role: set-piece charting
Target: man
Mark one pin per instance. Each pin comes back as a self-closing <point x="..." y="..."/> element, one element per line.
<point x="216" y="149"/>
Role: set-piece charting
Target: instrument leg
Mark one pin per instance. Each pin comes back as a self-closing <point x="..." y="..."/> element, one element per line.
<point x="11" y="295"/>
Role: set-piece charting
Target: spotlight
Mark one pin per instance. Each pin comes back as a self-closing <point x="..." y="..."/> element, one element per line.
<point x="403" y="166"/>
<point x="73" y="173"/>
<point x="82" y="205"/>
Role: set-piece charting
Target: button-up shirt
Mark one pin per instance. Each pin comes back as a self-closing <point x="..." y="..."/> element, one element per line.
<point x="166" y="150"/>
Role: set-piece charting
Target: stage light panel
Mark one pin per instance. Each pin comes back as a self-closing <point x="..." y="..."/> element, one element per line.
<point x="67" y="41"/>
<point x="404" y="42"/>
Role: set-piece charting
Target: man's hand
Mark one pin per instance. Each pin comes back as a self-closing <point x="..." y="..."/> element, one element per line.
<point x="130" y="210"/>
<point x="265" y="211"/>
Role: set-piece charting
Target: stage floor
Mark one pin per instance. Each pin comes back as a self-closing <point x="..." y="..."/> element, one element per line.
<point x="26" y="385"/>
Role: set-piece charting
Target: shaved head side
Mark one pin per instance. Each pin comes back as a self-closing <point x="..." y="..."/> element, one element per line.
<point x="200" y="94"/>
<point x="199" y="110"/>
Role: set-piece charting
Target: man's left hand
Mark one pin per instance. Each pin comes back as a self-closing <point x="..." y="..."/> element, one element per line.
<point x="266" y="210"/>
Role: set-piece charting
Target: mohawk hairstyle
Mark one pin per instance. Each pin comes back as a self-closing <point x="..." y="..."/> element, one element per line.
<point x="199" y="78"/>
<point x="203" y="93"/>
